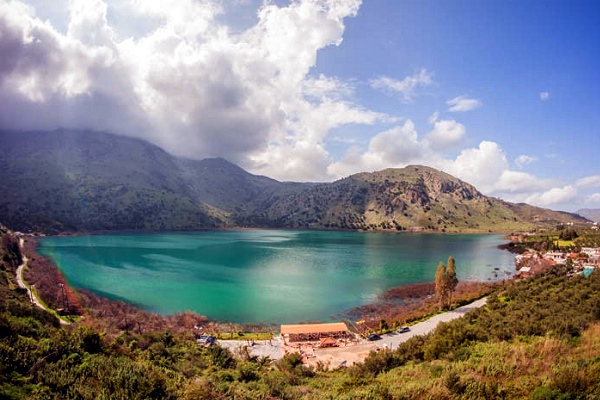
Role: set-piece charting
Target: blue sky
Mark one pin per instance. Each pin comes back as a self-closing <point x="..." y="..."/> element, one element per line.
<point x="502" y="94"/>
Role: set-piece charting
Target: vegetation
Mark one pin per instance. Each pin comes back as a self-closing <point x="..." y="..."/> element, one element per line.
<point x="537" y="338"/>
<point x="411" y="198"/>
<point x="445" y="282"/>
<point x="560" y="238"/>
<point x="66" y="181"/>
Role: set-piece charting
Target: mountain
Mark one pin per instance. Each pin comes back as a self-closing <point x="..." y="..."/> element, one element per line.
<point x="543" y="215"/>
<point x="590" y="213"/>
<point x="69" y="180"/>
<point x="229" y="188"/>
<point x="415" y="198"/>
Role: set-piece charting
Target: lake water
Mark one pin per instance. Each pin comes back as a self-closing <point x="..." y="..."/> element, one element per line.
<point x="267" y="276"/>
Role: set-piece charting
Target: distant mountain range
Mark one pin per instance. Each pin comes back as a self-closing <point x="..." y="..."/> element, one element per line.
<point x="69" y="180"/>
<point x="593" y="214"/>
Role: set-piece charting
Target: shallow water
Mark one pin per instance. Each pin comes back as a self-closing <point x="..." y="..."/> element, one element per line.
<point x="267" y="276"/>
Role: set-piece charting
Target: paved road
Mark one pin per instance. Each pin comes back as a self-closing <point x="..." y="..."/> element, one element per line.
<point x="422" y="328"/>
<point x="351" y="354"/>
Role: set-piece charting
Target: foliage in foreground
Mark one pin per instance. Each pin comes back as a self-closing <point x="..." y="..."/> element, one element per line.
<point x="538" y="338"/>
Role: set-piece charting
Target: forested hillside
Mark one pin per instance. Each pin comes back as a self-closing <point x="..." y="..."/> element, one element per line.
<point x="66" y="181"/>
<point x="70" y="181"/>
<point x="415" y="197"/>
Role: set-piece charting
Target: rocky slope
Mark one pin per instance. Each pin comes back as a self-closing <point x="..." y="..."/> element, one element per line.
<point x="90" y="181"/>
<point x="414" y="198"/>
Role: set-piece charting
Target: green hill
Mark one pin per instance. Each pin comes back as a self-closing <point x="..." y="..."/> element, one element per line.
<point x="66" y="180"/>
<point x="229" y="188"/>
<point x="91" y="181"/>
<point x="413" y="198"/>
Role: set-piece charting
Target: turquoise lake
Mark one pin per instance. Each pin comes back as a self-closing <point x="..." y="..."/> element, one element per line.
<point x="269" y="276"/>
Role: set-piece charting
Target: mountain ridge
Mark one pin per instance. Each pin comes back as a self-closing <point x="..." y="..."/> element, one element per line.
<point x="67" y="180"/>
<point x="593" y="214"/>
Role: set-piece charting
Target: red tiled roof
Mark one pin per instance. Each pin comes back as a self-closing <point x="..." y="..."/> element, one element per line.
<point x="314" y="328"/>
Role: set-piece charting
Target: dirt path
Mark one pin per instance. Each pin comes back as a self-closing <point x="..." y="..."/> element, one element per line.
<point x="22" y="284"/>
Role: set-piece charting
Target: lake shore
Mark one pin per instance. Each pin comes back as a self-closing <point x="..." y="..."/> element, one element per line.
<point x="244" y="228"/>
<point x="402" y="303"/>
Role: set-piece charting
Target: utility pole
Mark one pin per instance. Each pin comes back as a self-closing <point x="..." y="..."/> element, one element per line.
<point x="65" y="300"/>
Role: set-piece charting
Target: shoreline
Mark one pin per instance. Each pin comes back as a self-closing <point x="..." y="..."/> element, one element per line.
<point x="242" y="228"/>
<point x="382" y="305"/>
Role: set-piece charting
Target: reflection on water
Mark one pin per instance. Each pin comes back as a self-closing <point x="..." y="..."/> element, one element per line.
<point x="267" y="276"/>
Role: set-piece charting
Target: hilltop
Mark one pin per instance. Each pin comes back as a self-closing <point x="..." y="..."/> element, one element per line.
<point x="412" y="198"/>
<point x="66" y="181"/>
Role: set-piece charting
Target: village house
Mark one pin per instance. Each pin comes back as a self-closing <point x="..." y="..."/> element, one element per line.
<point x="593" y="254"/>
<point x="557" y="257"/>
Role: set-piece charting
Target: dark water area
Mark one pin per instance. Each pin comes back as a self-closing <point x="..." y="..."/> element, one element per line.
<point x="269" y="276"/>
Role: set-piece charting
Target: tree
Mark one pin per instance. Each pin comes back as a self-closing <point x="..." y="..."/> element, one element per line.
<point x="441" y="290"/>
<point x="445" y="282"/>
<point x="452" y="280"/>
<point x="383" y="326"/>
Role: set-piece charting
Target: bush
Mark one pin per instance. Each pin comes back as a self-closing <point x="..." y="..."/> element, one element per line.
<point x="292" y="363"/>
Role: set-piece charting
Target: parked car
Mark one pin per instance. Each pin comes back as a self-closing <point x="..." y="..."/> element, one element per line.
<point x="404" y="329"/>
<point x="202" y="338"/>
<point x="207" y="340"/>
<point x="373" y="337"/>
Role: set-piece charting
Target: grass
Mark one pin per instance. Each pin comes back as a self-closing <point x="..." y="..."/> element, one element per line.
<point x="245" y="336"/>
<point x="33" y="292"/>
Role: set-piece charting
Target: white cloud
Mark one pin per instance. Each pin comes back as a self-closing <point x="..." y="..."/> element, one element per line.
<point x="395" y="147"/>
<point x="185" y="82"/>
<point x="594" y="199"/>
<point x="544" y="96"/>
<point x="88" y="23"/>
<point x="523" y="160"/>
<point x="406" y="87"/>
<point x="445" y="134"/>
<point x="553" y="197"/>
<point x="433" y="117"/>
<point x="520" y="183"/>
<point x="463" y="104"/>
<point x="589" y="181"/>
<point x="324" y="87"/>
<point x="482" y="166"/>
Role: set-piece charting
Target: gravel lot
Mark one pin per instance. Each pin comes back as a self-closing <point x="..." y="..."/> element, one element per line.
<point x="334" y="357"/>
<point x="262" y="348"/>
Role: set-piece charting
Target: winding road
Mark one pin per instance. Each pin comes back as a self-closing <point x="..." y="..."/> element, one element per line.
<point x="22" y="284"/>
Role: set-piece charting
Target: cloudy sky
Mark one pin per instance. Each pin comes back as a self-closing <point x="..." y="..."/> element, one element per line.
<point x="502" y="94"/>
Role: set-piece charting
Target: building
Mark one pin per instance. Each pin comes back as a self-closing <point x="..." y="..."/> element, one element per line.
<point x="314" y="332"/>
<point x="593" y="254"/>
<point x="556" y="256"/>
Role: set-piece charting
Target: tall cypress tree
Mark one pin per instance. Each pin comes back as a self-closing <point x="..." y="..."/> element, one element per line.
<point x="441" y="291"/>
<point x="445" y="282"/>
<point x="451" y="279"/>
